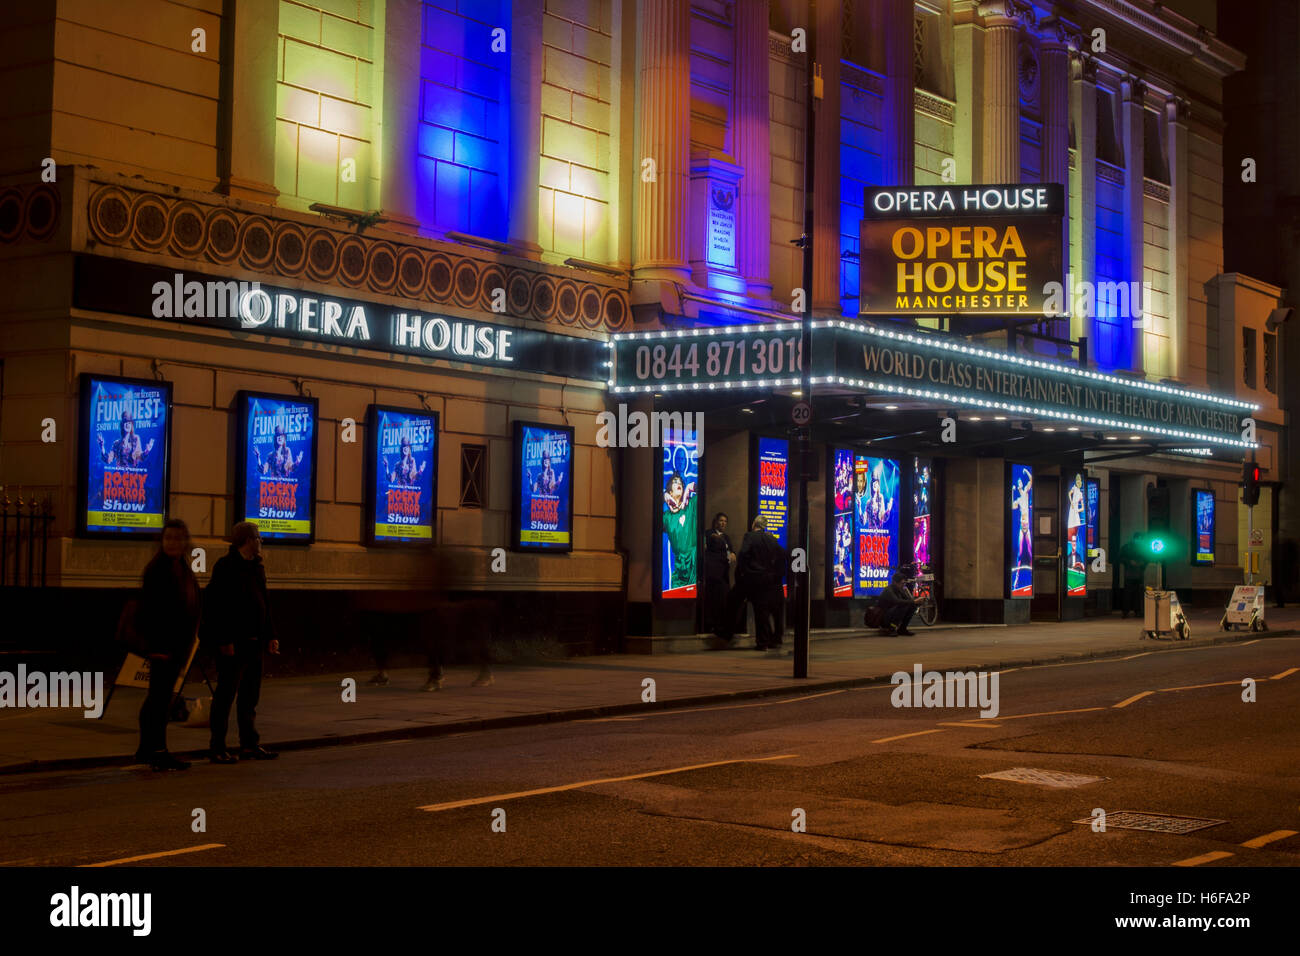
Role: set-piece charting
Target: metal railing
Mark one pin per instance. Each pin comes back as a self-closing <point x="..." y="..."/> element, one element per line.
<point x="24" y="539"/>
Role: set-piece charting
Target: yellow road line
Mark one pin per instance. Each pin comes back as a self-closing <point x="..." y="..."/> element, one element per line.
<point x="1222" y="683"/>
<point x="1286" y="673"/>
<point x="1048" y="713"/>
<point x="990" y="722"/>
<point x="1269" y="838"/>
<point x="154" y="856"/>
<point x="919" y="733"/>
<point x="1135" y="698"/>
<point x="476" y="801"/>
<point x="1203" y="858"/>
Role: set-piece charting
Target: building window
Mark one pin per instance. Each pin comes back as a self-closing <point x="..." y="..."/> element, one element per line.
<point x="1248" y="357"/>
<point x="1270" y="362"/>
<point x="473" y="476"/>
<point x="1109" y="148"/>
<point x="1155" y="151"/>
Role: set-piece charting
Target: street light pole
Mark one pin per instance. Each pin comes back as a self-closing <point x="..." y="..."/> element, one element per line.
<point x="803" y="431"/>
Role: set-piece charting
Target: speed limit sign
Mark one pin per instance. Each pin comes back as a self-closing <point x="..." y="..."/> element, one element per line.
<point x="801" y="413"/>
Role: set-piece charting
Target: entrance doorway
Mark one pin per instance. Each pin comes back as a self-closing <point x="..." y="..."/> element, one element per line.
<point x="1046" y="603"/>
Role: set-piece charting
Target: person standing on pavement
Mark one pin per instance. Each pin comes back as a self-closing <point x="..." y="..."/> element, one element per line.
<point x="718" y="561"/>
<point x="238" y="624"/>
<point x="1135" y="567"/>
<point x="167" y="619"/>
<point x="762" y="563"/>
<point x="899" y="604"/>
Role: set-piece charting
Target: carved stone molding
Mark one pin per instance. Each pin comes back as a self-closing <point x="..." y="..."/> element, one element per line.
<point x="934" y="106"/>
<point x="862" y="79"/>
<point x="1112" y="174"/>
<point x="149" y="222"/>
<point x="1157" y="191"/>
<point x="28" y="213"/>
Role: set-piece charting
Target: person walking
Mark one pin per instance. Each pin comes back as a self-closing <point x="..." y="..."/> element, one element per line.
<point x="762" y="563"/>
<point x="898" y="604"/>
<point x="1135" y="567"/>
<point x="239" y="625"/>
<point x="167" y="620"/>
<point x="718" y="561"/>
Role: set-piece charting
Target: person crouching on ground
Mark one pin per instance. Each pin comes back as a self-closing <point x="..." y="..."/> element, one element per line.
<point x="899" y="605"/>
<point x="168" y="618"/>
<point x="238" y="624"/>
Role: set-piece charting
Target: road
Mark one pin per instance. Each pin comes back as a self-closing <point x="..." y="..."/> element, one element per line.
<point x="1166" y="732"/>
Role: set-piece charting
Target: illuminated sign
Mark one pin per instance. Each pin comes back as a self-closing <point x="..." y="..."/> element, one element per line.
<point x="402" y="465"/>
<point x="122" y="446"/>
<point x="1203" y="517"/>
<point x="543" y="508"/>
<point x="1022" y="531"/>
<point x="875" y="517"/>
<point x="1076" y="537"/>
<point x="679" y="514"/>
<point x="1092" y="498"/>
<point x="972" y="250"/>
<point x="922" y="493"/>
<point x="277" y="465"/>
<point x="841" y="530"/>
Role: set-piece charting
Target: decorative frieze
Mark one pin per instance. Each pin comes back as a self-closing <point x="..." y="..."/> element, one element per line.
<point x="935" y="106"/>
<point x="28" y="213"/>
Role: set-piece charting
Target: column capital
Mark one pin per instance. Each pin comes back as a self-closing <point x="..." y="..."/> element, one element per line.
<point x="1134" y="89"/>
<point x="1083" y="67"/>
<point x="1052" y="31"/>
<point x="1177" y="109"/>
<point x="1006" y="13"/>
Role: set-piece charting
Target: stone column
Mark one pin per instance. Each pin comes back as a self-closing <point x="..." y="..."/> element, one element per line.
<point x="663" y="106"/>
<point x="1054" y="83"/>
<point x="968" y="125"/>
<point x="250" y="46"/>
<point x="1176" y="111"/>
<point x="753" y="148"/>
<point x="398" y="149"/>
<point x="525" y="134"/>
<point x="1001" y="146"/>
<point x="1134" y="133"/>
<point x="1083" y="189"/>
<point x="900" y="108"/>
<point x="826" y="164"/>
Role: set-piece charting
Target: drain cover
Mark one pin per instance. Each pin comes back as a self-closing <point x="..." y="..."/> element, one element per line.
<point x="1157" y="822"/>
<point x="1042" y="778"/>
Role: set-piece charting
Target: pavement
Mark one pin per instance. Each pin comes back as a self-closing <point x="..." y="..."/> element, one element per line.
<point x="303" y="712"/>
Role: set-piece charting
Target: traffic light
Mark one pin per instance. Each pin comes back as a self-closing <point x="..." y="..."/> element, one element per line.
<point x="1249" y="483"/>
<point x="1159" y="542"/>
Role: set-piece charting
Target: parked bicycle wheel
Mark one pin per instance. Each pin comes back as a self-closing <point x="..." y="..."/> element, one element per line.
<point x="928" y="612"/>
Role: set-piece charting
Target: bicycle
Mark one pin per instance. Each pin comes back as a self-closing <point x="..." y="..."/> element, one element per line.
<point x="922" y="582"/>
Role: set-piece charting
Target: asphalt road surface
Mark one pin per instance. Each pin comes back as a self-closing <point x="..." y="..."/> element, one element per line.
<point x="1166" y="732"/>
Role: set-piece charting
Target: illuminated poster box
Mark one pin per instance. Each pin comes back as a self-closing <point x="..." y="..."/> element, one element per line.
<point x="401" y="475"/>
<point x="276" y="451"/>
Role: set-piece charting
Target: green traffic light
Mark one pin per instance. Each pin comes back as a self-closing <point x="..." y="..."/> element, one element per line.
<point x="1157" y="545"/>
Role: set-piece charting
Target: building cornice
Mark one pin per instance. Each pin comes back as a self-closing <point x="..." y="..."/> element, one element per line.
<point x="1173" y="30"/>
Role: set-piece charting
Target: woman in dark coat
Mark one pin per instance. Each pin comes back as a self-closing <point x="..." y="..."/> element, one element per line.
<point x="167" y="619"/>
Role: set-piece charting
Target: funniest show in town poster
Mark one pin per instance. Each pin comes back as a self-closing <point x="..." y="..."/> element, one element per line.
<point x="545" y="483"/>
<point x="842" y="524"/>
<point x="405" y="452"/>
<point x="922" y="470"/>
<point x="279" y="448"/>
<point x="680" y="540"/>
<point x="774" y="485"/>
<point x="1092" y="495"/>
<point x="1203" y="553"/>
<point x="1022" y="531"/>
<point x="875" y="516"/>
<point x="126" y="456"/>
<point x="1076" y="538"/>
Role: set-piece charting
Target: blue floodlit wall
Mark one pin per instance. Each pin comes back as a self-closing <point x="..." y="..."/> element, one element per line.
<point x="1111" y="338"/>
<point x="862" y="164"/>
<point x="461" y="166"/>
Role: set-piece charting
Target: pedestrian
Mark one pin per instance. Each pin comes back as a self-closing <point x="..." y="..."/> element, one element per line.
<point x="718" y="561"/>
<point x="1135" y="568"/>
<point x="238" y="623"/>
<point x="167" y="619"/>
<point x="762" y="563"/>
<point x="898" y="604"/>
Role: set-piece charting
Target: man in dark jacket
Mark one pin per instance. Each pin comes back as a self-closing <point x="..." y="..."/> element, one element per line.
<point x="718" y="559"/>
<point x="899" y="605"/>
<point x="238" y="624"/>
<point x="167" y="619"/>
<point x="760" y="569"/>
